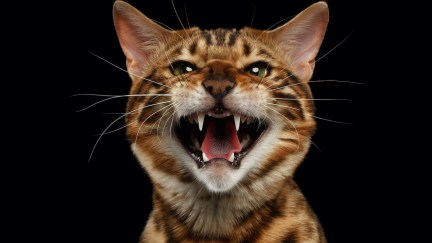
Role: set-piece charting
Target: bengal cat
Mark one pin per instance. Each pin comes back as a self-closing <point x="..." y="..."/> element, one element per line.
<point x="220" y="120"/>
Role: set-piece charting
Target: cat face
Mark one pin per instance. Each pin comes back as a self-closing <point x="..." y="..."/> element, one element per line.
<point x="221" y="107"/>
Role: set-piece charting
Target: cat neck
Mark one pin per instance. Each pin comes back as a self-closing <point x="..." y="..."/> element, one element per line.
<point x="184" y="205"/>
<point x="208" y="214"/>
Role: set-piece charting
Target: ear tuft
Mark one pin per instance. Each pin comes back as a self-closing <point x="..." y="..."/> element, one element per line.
<point x="301" y="38"/>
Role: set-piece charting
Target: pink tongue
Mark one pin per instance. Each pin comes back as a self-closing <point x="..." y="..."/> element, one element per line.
<point x="221" y="138"/>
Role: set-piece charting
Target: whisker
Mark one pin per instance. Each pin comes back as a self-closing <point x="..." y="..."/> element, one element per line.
<point x="270" y="119"/>
<point x="312" y="142"/>
<point x="144" y="107"/>
<point x="139" y="129"/>
<point x="335" y="80"/>
<point x="268" y="64"/>
<point x="316" y="117"/>
<point x="185" y="11"/>
<point x="97" y="95"/>
<point x="99" y="138"/>
<point x="317" y="81"/>
<point x="178" y="17"/>
<point x="163" y="129"/>
<point x="170" y="63"/>
<point x="112" y="113"/>
<point x="253" y="16"/>
<point x="340" y="43"/>
<point x="171" y="124"/>
<point x="120" y="128"/>
<point x="292" y="124"/>
<point x="298" y="134"/>
<point x="159" y="121"/>
<point x="107" y="95"/>
<point x="120" y="96"/>
<point x="184" y="80"/>
<point x="169" y="28"/>
<point x="268" y="87"/>
<point x="334" y="121"/>
<point x="124" y="70"/>
<point x="179" y="77"/>
<point x="311" y="99"/>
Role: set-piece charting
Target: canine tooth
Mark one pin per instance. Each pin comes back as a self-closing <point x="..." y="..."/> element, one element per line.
<point x="231" y="158"/>
<point x="200" y="121"/>
<point x="243" y="119"/>
<point x="204" y="157"/>
<point x="237" y="121"/>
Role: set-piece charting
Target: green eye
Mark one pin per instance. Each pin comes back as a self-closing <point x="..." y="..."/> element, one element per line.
<point x="182" y="67"/>
<point x="260" y="69"/>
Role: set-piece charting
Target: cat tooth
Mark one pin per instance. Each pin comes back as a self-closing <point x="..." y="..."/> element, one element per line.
<point x="200" y="121"/>
<point x="237" y="121"/>
<point x="243" y="119"/>
<point x="204" y="157"/>
<point x="195" y="118"/>
<point x="191" y="120"/>
<point x="245" y="140"/>
<point x="249" y="120"/>
<point x="231" y="158"/>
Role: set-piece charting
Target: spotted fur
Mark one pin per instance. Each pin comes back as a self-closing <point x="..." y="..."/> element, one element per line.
<point x="259" y="201"/>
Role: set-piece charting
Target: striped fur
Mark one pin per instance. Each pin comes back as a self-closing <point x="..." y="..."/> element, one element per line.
<point x="259" y="201"/>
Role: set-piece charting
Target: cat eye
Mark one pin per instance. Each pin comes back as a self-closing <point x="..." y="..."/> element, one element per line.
<point x="260" y="69"/>
<point x="182" y="67"/>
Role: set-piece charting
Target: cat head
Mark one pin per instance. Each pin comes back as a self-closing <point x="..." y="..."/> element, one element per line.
<point x="222" y="108"/>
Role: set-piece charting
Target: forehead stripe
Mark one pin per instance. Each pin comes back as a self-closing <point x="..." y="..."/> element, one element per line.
<point x="207" y="37"/>
<point x="233" y="38"/>
<point x="192" y="48"/>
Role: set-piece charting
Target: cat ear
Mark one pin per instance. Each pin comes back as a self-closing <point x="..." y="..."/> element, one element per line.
<point x="301" y="38"/>
<point x="139" y="37"/>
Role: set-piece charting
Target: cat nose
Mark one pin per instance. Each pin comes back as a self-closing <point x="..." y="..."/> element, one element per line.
<point x="220" y="80"/>
<point x="218" y="87"/>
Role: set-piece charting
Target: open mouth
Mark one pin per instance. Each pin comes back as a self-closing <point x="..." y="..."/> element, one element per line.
<point x="208" y="136"/>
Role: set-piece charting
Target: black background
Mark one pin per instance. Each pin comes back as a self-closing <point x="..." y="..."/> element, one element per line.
<point x="344" y="180"/>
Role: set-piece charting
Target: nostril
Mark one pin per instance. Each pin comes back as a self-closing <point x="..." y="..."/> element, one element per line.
<point x="211" y="71"/>
<point x="228" y="89"/>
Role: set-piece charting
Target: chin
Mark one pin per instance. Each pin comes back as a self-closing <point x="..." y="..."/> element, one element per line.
<point x="219" y="176"/>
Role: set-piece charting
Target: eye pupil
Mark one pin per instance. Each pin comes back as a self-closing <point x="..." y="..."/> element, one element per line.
<point x="182" y="67"/>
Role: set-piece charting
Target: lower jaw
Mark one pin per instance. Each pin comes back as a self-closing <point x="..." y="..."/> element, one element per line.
<point x="235" y="164"/>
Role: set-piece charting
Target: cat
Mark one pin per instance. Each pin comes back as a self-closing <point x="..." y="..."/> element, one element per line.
<point x="220" y="119"/>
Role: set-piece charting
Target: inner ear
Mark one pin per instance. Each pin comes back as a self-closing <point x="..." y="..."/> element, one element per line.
<point x="139" y="37"/>
<point x="300" y="39"/>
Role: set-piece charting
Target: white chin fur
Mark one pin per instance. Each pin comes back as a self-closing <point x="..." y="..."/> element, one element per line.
<point x="218" y="176"/>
